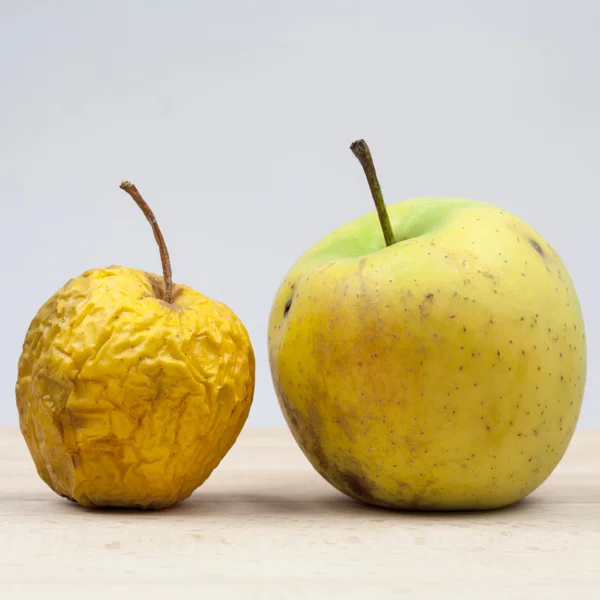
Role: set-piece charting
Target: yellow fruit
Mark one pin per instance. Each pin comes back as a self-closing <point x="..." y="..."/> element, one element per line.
<point x="127" y="399"/>
<point x="444" y="371"/>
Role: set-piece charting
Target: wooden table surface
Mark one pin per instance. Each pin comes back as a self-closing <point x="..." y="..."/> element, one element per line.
<point x="265" y="525"/>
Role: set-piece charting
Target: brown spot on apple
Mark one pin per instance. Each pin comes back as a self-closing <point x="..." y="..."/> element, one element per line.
<point x="357" y="487"/>
<point x="536" y="247"/>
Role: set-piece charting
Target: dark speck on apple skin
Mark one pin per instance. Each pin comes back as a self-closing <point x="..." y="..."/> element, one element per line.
<point x="536" y="247"/>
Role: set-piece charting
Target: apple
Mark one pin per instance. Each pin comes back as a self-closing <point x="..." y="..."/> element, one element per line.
<point x="131" y="388"/>
<point x="430" y="354"/>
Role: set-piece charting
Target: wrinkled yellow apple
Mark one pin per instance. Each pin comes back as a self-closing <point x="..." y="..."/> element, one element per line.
<point x="442" y="371"/>
<point x="127" y="399"/>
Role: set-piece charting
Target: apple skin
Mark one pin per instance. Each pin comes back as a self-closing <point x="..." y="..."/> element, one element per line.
<point x="444" y="372"/>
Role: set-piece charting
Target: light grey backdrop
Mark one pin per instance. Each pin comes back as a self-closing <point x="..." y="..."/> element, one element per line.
<point x="234" y="120"/>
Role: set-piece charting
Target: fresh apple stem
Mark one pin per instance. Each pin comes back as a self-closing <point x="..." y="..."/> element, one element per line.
<point x="362" y="152"/>
<point x="160" y="240"/>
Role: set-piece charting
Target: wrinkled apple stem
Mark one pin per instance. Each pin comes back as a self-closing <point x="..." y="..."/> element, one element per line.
<point x="162" y="246"/>
<point x="362" y="152"/>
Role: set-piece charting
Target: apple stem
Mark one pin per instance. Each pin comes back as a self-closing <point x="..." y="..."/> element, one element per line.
<point x="162" y="246"/>
<point x="362" y="152"/>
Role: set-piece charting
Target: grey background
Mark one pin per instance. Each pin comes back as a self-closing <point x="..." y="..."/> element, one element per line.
<point x="234" y="120"/>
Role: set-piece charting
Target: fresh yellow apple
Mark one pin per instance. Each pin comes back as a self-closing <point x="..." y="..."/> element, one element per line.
<point x="131" y="389"/>
<point x="440" y="365"/>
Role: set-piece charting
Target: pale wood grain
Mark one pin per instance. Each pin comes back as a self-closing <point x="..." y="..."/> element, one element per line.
<point x="266" y="525"/>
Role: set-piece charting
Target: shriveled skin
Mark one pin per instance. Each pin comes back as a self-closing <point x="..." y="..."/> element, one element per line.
<point x="443" y="372"/>
<point x="125" y="400"/>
